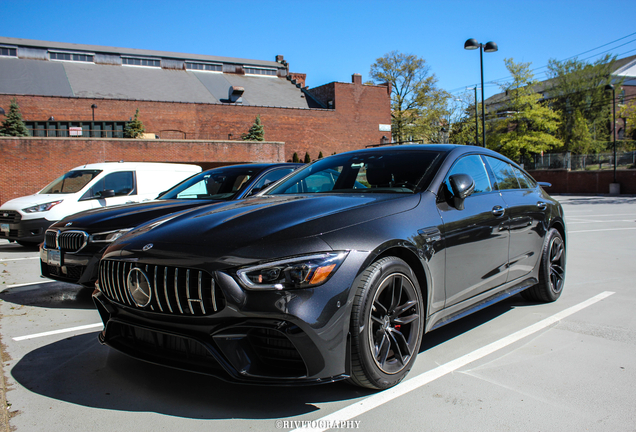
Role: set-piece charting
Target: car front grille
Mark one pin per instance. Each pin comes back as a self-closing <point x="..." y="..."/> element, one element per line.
<point x="10" y="216"/>
<point x="173" y="290"/>
<point x="68" y="241"/>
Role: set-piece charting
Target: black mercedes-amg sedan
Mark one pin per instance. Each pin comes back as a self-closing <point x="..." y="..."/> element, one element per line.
<point x="73" y="246"/>
<point x="337" y="271"/>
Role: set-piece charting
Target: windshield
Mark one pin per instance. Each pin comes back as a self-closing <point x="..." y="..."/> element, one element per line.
<point x="217" y="184"/>
<point x="71" y="182"/>
<point x="385" y="172"/>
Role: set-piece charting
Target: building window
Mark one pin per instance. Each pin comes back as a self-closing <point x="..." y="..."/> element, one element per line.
<point x="204" y="67"/>
<point x="135" y="61"/>
<point x="8" y="52"/>
<point x="259" y="71"/>
<point x="66" y="56"/>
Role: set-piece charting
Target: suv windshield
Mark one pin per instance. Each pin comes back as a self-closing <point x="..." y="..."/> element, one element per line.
<point x="396" y="171"/>
<point x="71" y="182"/>
<point x="220" y="184"/>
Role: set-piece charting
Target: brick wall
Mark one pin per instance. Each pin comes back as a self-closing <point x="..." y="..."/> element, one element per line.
<point x="586" y="182"/>
<point x="29" y="164"/>
<point x="352" y="124"/>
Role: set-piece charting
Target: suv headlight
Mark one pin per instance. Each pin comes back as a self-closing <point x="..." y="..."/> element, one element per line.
<point x="41" y="207"/>
<point x="300" y="272"/>
<point x="108" y="236"/>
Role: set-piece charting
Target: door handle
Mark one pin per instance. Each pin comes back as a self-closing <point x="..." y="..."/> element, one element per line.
<point x="542" y="206"/>
<point x="498" y="211"/>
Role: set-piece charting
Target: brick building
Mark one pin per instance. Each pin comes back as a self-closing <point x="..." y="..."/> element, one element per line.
<point x="69" y="93"/>
<point x="60" y="86"/>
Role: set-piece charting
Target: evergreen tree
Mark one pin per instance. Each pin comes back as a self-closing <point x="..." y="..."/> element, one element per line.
<point x="256" y="132"/>
<point x="13" y="124"/>
<point x="295" y="158"/>
<point x="134" y="129"/>
<point x="320" y="156"/>
<point x="307" y="158"/>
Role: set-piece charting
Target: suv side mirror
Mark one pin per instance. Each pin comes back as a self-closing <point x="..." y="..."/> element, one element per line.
<point x="462" y="186"/>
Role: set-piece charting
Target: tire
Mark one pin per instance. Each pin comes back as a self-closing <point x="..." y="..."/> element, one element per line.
<point x="387" y="322"/>
<point x="551" y="270"/>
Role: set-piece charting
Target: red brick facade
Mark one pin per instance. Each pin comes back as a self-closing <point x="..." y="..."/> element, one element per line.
<point x="29" y="164"/>
<point x="586" y="182"/>
<point x="352" y="123"/>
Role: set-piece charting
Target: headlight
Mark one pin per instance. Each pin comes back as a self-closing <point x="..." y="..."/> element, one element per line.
<point x="300" y="272"/>
<point x="108" y="236"/>
<point x="42" y="207"/>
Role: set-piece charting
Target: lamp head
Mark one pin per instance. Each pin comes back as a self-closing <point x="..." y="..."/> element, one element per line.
<point x="490" y="47"/>
<point x="471" y="44"/>
<point x="609" y="87"/>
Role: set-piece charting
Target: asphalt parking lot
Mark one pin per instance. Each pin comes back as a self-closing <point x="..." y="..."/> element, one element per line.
<point x="516" y="366"/>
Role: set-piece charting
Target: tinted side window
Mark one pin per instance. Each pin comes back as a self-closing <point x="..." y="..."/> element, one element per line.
<point x="524" y="180"/>
<point x="474" y="167"/>
<point x="504" y="175"/>
<point x="272" y="176"/>
<point x="123" y="183"/>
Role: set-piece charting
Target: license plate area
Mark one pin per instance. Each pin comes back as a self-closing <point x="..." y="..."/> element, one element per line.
<point x="54" y="258"/>
<point x="4" y="228"/>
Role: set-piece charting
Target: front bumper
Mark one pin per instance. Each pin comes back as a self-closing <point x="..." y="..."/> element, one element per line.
<point x="285" y="337"/>
<point x="74" y="268"/>
<point x="24" y="231"/>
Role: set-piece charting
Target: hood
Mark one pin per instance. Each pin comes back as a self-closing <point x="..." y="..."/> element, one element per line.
<point x="258" y="228"/>
<point x="126" y="216"/>
<point x="32" y="200"/>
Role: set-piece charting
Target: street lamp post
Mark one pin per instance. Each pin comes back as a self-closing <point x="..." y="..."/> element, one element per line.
<point x="472" y="44"/>
<point x="476" y="120"/>
<point x="93" y="108"/>
<point x="607" y="88"/>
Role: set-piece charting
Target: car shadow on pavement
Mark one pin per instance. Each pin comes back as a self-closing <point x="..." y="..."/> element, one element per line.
<point x="16" y="248"/>
<point x="50" y="295"/>
<point x="81" y="371"/>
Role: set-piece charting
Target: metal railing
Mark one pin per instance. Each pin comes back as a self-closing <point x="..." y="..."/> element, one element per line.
<point x="587" y="162"/>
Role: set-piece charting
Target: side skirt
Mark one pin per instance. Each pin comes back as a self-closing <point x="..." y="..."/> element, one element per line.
<point x="477" y="303"/>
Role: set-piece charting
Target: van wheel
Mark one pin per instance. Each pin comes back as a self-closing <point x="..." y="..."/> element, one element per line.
<point x="387" y="322"/>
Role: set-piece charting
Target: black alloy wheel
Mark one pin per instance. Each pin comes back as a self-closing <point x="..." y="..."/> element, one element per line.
<point x="551" y="272"/>
<point x="387" y="323"/>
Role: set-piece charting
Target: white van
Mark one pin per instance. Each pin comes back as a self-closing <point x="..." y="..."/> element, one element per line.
<point x="25" y="219"/>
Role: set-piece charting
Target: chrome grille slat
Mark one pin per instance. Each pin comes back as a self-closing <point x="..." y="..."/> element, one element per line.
<point x="68" y="241"/>
<point x="200" y="291"/>
<point x="193" y="286"/>
<point x="176" y="289"/>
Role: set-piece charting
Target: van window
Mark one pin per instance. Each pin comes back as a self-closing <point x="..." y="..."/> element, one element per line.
<point x="71" y="182"/>
<point x="122" y="182"/>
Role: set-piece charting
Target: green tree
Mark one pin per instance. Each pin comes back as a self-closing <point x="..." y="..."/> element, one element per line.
<point x="295" y="158"/>
<point x="320" y="156"/>
<point x="531" y="125"/>
<point x="628" y="112"/>
<point x="256" y="132"/>
<point x="13" y="124"/>
<point x="135" y="128"/>
<point x="580" y="137"/>
<point x="418" y="106"/>
<point x="579" y="86"/>
<point x="307" y="157"/>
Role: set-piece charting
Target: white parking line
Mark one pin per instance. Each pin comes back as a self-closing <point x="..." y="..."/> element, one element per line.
<point x="18" y="259"/>
<point x="54" y="332"/>
<point x="605" y="229"/>
<point x="401" y="389"/>
<point x="43" y="281"/>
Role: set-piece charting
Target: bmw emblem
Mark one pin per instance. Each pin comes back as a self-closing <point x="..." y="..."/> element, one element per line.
<point x="147" y="247"/>
<point x="139" y="287"/>
<point x="68" y="224"/>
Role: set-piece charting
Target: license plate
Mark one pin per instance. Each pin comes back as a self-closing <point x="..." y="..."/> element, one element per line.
<point x="55" y="258"/>
<point x="4" y="228"/>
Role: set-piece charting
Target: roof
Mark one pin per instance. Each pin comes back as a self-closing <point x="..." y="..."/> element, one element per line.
<point x="30" y="72"/>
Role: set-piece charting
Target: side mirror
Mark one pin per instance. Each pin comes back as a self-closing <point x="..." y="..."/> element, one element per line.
<point x="544" y="184"/>
<point x="462" y="186"/>
<point x="108" y="193"/>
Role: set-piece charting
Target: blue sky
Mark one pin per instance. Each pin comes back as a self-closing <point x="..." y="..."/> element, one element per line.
<point x="330" y="40"/>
